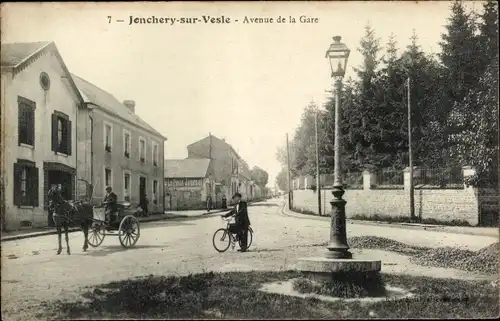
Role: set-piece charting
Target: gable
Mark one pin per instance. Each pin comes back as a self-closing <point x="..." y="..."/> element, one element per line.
<point x="17" y="57"/>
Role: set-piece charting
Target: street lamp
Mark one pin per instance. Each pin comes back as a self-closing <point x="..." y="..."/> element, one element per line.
<point x="337" y="54"/>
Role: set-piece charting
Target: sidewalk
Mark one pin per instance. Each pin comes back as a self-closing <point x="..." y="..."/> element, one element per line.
<point x="35" y="232"/>
<point x="480" y="231"/>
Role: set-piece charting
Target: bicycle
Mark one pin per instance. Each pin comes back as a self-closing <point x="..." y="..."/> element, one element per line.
<point x="229" y="239"/>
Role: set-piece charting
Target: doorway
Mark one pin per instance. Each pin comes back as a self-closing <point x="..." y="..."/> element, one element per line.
<point x="64" y="181"/>
<point x="142" y="187"/>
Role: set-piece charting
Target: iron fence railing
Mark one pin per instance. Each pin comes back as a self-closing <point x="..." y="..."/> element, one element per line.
<point x="438" y="178"/>
<point x="353" y="180"/>
<point x="389" y="178"/>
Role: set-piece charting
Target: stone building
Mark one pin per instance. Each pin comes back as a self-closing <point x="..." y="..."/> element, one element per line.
<point x="229" y="169"/>
<point x="41" y="108"/>
<point x="126" y="152"/>
<point x="188" y="182"/>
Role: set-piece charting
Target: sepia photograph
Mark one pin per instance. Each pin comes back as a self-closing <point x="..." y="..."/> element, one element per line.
<point x="249" y="160"/>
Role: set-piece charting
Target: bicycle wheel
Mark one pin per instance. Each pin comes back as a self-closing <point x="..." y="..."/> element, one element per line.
<point x="221" y="240"/>
<point x="249" y="238"/>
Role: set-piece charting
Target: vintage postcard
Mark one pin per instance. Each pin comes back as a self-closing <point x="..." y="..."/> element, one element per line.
<point x="249" y="160"/>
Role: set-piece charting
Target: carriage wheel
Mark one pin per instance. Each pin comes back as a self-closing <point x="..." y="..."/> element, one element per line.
<point x="129" y="232"/>
<point x="96" y="234"/>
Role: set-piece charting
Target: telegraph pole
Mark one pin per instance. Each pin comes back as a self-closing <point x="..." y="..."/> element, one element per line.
<point x="318" y="187"/>
<point x="210" y="164"/>
<point x="410" y="155"/>
<point x="289" y="174"/>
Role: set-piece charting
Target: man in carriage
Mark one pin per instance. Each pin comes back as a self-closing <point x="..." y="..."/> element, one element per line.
<point x="110" y="204"/>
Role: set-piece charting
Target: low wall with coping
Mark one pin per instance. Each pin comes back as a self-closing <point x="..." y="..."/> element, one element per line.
<point x="476" y="206"/>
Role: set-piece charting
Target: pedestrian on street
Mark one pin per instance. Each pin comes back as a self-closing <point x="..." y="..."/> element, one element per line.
<point x="144" y="205"/>
<point x="209" y="203"/>
<point x="224" y="202"/>
<point x="242" y="222"/>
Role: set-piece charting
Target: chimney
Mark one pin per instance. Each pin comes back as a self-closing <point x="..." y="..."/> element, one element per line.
<point x="130" y="105"/>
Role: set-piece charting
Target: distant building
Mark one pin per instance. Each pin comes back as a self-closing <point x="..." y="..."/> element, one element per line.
<point x="127" y="153"/>
<point x="41" y="108"/>
<point x="188" y="182"/>
<point x="229" y="169"/>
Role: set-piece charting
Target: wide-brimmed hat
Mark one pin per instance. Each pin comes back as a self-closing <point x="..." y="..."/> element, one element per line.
<point x="237" y="195"/>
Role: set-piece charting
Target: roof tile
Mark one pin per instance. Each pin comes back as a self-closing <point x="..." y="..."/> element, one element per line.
<point x="186" y="168"/>
<point x="14" y="53"/>
<point x="95" y="95"/>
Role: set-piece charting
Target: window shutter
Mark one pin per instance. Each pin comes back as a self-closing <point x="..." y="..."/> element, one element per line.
<point x="68" y="137"/>
<point x="17" y="184"/>
<point x="19" y="124"/>
<point x="34" y="186"/>
<point x="31" y="127"/>
<point x="54" y="132"/>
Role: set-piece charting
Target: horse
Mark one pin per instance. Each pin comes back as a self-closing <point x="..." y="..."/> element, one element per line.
<point x="69" y="214"/>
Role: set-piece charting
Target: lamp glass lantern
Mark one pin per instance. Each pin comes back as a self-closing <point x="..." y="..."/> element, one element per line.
<point x="337" y="54"/>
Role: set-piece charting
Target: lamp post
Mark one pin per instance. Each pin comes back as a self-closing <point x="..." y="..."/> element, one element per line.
<point x="337" y="54"/>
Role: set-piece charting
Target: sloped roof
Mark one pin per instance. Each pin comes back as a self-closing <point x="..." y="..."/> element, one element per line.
<point x="107" y="102"/>
<point x="186" y="168"/>
<point x="220" y="140"/>
<point x="14" y="54"/>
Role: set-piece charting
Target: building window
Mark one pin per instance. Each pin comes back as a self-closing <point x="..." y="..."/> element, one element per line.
<point x="61" y="133"/>
<point x="126" y="144"/>
<point x="26" y="121"/>
<point x="142" y="150"/>
<point x="155" y="154"/>
<point x="25" y="183"/>
<point x="155" y="192"/>
<point x="108" y="178"/>
<point x="108" y="137"/>
<point x="126" y="186"/>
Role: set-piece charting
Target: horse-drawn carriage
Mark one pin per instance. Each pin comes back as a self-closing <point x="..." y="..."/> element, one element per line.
<point x="123" y="224"/>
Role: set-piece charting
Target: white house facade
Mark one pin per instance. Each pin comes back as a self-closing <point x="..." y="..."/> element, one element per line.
<point x="126" y="152"/>
<point x="40" y="107"/>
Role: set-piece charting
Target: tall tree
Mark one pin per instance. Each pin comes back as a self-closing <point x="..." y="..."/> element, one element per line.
<point x="428" y="116"/>
<point x="459" y="52"/>
<point x="305" y="141"/>
<point x="259" y="176"/>
<point x="476" y="117"/>
<point x="391" y="144"/>
<point x="488" y="34"/>
<point x="363" y="114"/>
<point x="282" y="180"/>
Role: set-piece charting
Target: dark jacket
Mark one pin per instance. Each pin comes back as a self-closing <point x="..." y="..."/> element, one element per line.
<point x="241" y="216"/>
<point x="110" y="202"/>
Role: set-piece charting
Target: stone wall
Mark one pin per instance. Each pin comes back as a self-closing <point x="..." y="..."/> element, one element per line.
<point x="468" y="204"/>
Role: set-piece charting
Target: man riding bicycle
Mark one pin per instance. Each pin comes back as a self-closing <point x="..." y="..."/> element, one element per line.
<point x="242" y="222"/>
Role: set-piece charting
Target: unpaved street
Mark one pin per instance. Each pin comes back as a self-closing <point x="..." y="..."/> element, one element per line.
<point x="32" y="272"/>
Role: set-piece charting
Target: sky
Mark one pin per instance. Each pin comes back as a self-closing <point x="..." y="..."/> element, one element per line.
<point x="247" y="83"/>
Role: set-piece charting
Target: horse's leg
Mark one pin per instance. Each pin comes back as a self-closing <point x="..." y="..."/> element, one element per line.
<point x="59" y="237"/>
<point x="85" y="229"/>
<point x="66" y="234"/>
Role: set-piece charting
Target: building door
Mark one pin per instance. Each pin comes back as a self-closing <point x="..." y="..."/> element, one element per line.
<point x="142" y="187"/>
<point x="65" y="183"/>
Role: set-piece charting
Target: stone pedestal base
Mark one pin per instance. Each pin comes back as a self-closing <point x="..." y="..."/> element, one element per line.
<point x="324" y="269"/>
